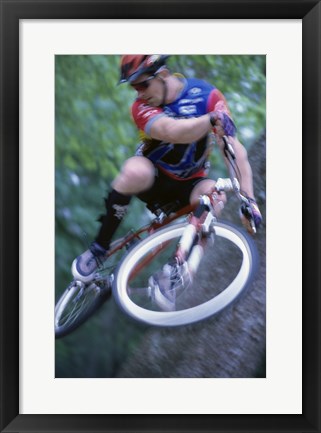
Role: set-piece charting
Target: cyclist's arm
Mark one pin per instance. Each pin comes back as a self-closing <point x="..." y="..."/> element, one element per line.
<point x="218" y="103"/>
<point x="242" y="162"/>
<point x="192" y="129"/>
<point x="156" y="124"/>
<point x="180" y="130"/>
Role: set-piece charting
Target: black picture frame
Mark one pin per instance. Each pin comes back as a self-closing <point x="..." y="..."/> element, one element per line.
<point x="11" y="12"/>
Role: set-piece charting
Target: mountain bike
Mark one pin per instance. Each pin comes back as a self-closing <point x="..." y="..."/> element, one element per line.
<point x="190" y="241"/>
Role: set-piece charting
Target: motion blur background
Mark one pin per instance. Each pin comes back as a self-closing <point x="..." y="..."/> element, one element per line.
<point x="94" y="134"/>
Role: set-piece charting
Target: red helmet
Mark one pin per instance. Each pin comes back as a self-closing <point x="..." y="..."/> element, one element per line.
<point x="133" y="66"/>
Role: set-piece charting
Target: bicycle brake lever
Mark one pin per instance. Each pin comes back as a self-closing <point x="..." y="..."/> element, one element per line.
<point x="228" y="148"/>
<point x="247" y="212"/>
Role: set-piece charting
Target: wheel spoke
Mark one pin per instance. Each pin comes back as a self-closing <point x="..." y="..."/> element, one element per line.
<point x="76" y="305"/>
<point x="78" y="308"/>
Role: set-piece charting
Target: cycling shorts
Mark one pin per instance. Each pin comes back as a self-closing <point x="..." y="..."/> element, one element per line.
<point x="166" y="190"/>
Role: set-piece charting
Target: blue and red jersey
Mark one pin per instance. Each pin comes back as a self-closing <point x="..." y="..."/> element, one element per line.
<point x="180" y="161"/>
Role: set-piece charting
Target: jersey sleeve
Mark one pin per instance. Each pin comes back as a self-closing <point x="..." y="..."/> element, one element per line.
<point x="144" y="115"/>
<point x="217" y="102"/>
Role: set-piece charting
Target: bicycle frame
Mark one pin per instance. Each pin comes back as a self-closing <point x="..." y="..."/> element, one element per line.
<point x="199" y="226"/>
<point x="201" y="216"/>
<point x="229" y="184"/>
<point x="155" y="224"/>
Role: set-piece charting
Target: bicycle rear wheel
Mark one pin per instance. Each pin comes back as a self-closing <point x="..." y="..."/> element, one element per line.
<point x="77" y="304"/>
<point x="233" y="251"/>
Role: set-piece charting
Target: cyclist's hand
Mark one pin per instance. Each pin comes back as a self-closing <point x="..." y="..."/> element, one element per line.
<point x="217" y="123"/>
<point x="222" y="124"/>
<point x="251" y="216"/>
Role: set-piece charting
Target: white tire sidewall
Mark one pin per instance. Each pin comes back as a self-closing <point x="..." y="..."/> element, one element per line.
<point x="194" y="314"/>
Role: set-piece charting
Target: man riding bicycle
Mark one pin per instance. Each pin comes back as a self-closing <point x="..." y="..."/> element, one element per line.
<point x="177" y="118"/>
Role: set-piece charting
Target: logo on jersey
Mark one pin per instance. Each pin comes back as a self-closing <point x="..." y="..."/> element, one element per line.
<point x="187" y="110"/>
<point x="195" y="91"/>
<point x="145" y="111"/>
<point x="149" y="113"/>
<point x="190" y="101"/>
<point x="142" y="107"/>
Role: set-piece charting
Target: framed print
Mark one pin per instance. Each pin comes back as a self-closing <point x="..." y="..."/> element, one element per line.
<point x="50" y="52"/>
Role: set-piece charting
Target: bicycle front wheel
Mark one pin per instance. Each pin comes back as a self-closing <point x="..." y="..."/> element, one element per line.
<point x="233" y="251"/>
<point x="77" y="304"/>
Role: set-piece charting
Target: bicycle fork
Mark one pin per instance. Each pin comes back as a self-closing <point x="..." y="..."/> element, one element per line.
<point x="201" y="227"/>
<point x="190" y="248"/>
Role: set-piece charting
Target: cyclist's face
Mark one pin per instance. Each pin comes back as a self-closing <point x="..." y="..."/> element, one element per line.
<point x="149" y="88"/>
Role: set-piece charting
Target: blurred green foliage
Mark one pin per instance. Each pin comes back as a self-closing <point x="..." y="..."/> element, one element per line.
<point x="94" y="134"/>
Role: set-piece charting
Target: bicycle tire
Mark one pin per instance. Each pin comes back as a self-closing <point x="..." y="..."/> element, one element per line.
<point x="228" y="233"/>
<point x="67" y="321"/>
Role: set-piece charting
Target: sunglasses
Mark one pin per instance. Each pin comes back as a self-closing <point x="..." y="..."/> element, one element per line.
<point x="143" y="85"/>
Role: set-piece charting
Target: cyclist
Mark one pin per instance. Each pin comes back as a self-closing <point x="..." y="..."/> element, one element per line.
<point x="177" y="118"/>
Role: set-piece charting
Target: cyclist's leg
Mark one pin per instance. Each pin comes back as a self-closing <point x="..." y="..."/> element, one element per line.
<point x="166" y="190"/>
<point x="137" y="174"/>
<point x="205" y="186"/>
<point x="163" y="191"/>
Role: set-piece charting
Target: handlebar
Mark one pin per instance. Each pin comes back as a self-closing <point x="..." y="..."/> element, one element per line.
<point x="228" y="185"/>
<point x="233" y="184"/>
